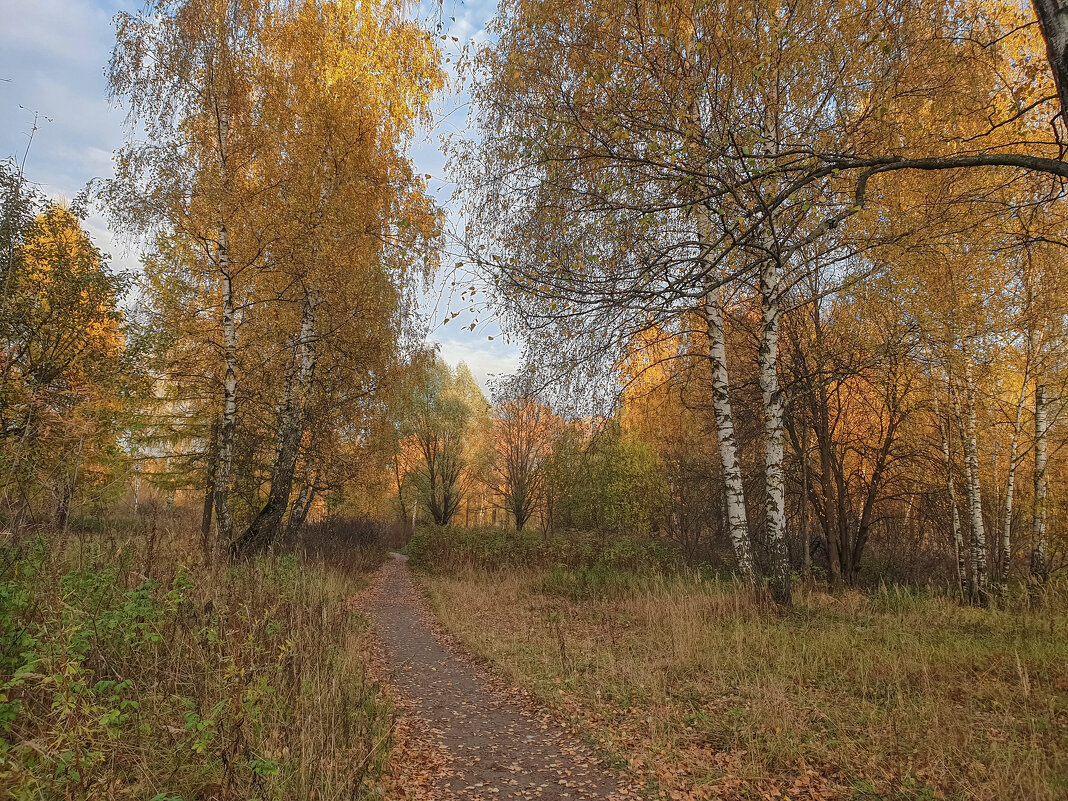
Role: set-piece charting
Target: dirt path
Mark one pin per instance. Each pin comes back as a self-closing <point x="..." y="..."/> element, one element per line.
<point x="492" y="746"/>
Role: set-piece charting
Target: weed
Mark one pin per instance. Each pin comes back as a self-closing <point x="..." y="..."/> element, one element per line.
<point x="240" y="682"/>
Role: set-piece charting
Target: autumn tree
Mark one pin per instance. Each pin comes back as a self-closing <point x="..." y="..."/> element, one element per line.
<point x="645" y="122"/>
<point x="689" y="133"/>
<point x="522" y="430"/>
<point x="855" y="386"/>
<point x="602" y="478"/>
<point x="666" y="404"/>
<point x="444" y="406"/>
<point x="277" y="164"/>
<point x="62" y="346"/>
<point x="186" y="72"/>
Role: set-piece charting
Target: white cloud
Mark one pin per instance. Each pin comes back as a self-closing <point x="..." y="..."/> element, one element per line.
<point x="487" y="361"/>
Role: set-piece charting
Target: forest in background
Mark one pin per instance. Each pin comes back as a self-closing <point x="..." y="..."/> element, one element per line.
<point x="788" y="278"/>
<point x="791" y="354"/>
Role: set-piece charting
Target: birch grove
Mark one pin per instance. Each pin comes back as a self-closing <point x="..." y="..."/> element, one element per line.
<point x="269" y="208"/>
<point x="722" y="207"/>
<point x="806" y="228"/>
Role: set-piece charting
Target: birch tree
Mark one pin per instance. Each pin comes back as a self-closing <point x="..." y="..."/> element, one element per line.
<point x="1005" y="544"/>
<point x="185" y="72"/>
<point x="296" y="202"/>
<point x="1038" y="526"/>
<point x="601" y="136"/>
<point x="951" y="494"/>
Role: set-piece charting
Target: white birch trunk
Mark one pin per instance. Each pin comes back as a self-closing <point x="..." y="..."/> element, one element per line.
<point x="951" y="487"/>
<point x="1038" y="524"/>
<point x="770" y="292"/>
<point x="1010" y="486"/>
<point x="737" y="526"/>
<point x="975" y="497"/>
<point x="228" y="422"/>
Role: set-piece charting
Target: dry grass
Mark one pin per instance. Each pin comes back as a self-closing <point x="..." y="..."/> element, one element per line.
<point x="707" y="694"/>
<point x="129" y="671"/>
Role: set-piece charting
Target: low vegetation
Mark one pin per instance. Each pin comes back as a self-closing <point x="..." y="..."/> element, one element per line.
<point x="442" y="548"/>
<point x="706" y="693"/>
<point x="134" y="674"/>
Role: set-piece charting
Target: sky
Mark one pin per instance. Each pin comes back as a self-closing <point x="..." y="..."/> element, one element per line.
<point x="52" y="59"/>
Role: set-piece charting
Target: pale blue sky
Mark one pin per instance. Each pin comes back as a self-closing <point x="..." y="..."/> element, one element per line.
<point x="52" y="59"/>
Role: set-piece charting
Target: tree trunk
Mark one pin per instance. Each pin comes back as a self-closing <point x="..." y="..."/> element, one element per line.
<point x="975" y="497"/>
<point x="821" y="426"/>
<point x="206" y="542"/>
<point x="266" y="527"/>
<point x="806" y="533"/>
<point x="830" y="497"/>
<point x="734" y="492"/>
<point x="302" y="505"/>
<point x="770" y="292"/>
<point x="398" y="479"/>
<point x="737" y="527"/>
<point x="1038" y="524"/>
<point x="1053" y="19"/>
<point x="1010" y="486"/>
<point x="228" y="421"/>
<point x="951" y="487"/>
<point x="63" y="516"/>
<point x="872" y="496"/>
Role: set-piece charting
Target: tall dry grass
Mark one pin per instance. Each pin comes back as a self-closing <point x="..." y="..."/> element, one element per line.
<point x="706" y="693"/>
<point x="131" y="670"/>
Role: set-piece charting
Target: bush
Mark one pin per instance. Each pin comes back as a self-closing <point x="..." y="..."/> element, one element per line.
<point x="450" y="549"/>
<point x="238" y="683"/>
<point x="353" y="545"/>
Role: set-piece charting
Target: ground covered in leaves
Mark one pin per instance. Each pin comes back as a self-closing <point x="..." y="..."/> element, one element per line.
<point x="463" y="734"/>
<point x="701" y="693"/>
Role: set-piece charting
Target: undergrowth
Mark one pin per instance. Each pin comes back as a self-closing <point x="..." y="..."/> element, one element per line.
<point x="130" y="678"/>
<point x="577" y="563"/>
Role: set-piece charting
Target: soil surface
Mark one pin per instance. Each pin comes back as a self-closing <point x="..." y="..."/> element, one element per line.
<point x="492" y="745"/>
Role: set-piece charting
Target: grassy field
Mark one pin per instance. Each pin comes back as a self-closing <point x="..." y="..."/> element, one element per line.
<point x="706" y="694"/>
<point x="133" y="673"/>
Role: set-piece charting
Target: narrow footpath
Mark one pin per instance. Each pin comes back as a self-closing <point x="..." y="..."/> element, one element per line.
<point x="493" y="747"/>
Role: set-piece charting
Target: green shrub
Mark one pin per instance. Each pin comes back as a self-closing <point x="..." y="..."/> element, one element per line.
<point x="239" y="683"/>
